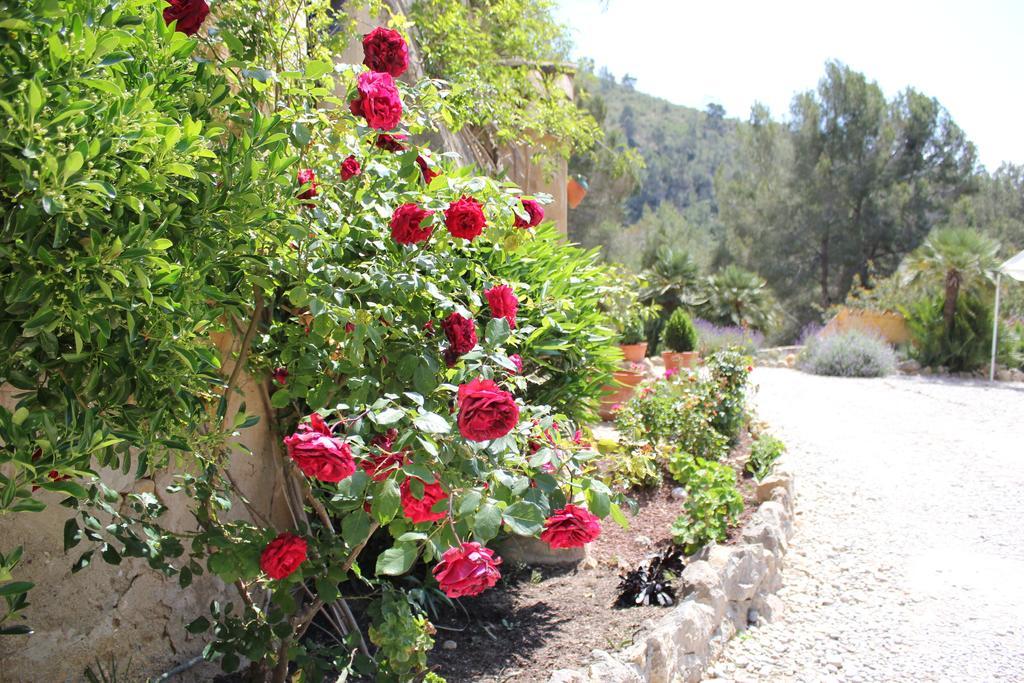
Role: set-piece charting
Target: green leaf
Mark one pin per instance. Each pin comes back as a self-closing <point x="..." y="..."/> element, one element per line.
<point x="432" y="423"/>
<point x="180" y="169"/>
<point x="498" y="331"/>
<point x="469" y="502"/>
<point x="619" y="516"/>
<point x="19" y="415"/>
<point x="355" y="527"/>
<point x="198" y="625"/>
<point x="317" y="68"/>
<point x="420" y="471"/>
<point x="524" y="519"/>
<point x="15" y="25"/>
<point x="16" y="587"/>
<point x="327" y="590"/>
<point x="598" y="502"/>
<point x="35" y="98"/>
<point x="387" y="416"/>
<point x="280" y="398"/>
<point x="72" y="164"/>
<point x="386" y="502"/>
<point x="487" y="522"/>
<point x="397" y="560"/>
<point x="72" y="536"/>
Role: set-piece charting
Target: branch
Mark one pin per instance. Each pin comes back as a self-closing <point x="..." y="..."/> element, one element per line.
<point x="243" y="352"/>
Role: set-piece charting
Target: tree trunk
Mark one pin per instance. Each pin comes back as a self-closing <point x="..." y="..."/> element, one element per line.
<point x="826" y="300"/>
<point x="952" y="292"/>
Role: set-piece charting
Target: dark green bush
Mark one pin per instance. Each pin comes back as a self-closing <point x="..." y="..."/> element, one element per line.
<point x="712" y="505"/>
<point x="964" y="346"/>
<point x="680" y="334"/>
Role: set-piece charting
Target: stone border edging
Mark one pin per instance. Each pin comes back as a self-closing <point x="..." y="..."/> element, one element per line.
<point x="732" y="587"/>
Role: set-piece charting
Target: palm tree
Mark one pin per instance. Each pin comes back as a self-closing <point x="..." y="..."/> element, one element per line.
<point x="739" y="297"/>
<point x="672" y="280"/>
<point x="961" y="259"/>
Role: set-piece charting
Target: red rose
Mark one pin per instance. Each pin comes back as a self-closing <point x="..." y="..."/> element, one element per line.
<point x="405" y="224"/>
<point x="429" y="326"/>
<point x="390" y="143"/>
<point x="190" y="14"/>
<point x="385" y="50"/>
<point x="465" y="218"/>
<point x="428" y="173"/>
<point x="517" y="361"/>
<point x="306" y="176"/>
<point x="385" y="441"/>
<point x="536" y="212"/>
<point x="486" y="411"/>
<point x="420" y="509"/>
<point x="570" y="527"/>
<point x="503" y="303"/>
<point x="318" y="453"/>
<point x="469" y="569"/>
<point x="349" y="328"/>
<point x="377" y="101"/>
<point x="350" y="168"/>
<point x="280" y="376"/>
<point x="283" y="555"/>
<point x="461" y="333"/>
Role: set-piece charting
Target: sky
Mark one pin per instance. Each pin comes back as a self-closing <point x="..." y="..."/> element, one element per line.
<point x="968" y="54"/>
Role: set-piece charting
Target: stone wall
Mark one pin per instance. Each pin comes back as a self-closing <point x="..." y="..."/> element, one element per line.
<point x="730" y="588"/>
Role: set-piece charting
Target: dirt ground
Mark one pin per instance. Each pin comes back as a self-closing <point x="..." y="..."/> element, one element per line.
<point x="539" y="619"/>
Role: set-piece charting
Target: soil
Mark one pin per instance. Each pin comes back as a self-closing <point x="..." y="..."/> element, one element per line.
<point x="539" y="619"/>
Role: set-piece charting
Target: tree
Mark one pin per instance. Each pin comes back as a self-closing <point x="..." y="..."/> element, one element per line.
<point x="738" y="297"/>
<point x="858" y="181"/>
<point x="961" y="259"/>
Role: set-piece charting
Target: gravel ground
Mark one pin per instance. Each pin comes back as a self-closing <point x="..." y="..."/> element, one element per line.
<point x="908" y="561"/>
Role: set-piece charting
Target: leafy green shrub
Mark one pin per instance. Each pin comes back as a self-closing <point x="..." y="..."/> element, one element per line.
<point x="712" y="505"/>
<point x="680" y="334"/>
<point x="636" y="465"/>
<point x="765" y="450"/>
<point x="850" y="353"/>
<point x="567" y="342"/>
<point x="963" y="346"/>
<point x="677" y="411"/>
<point x="729" y="371"/>
<point x="739" y="297"/>
<point x="159" y="219"/>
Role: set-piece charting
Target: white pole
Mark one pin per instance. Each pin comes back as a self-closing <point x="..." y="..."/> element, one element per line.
<point x="995" y="332"/>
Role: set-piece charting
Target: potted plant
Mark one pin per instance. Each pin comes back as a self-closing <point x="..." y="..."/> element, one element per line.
<point x="680" y="341"/>
<point x="633" y="331"/>
<point x="624" y="383"/>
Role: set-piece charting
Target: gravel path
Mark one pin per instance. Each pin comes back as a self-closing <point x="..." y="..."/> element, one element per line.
<point x="908" y="561"/>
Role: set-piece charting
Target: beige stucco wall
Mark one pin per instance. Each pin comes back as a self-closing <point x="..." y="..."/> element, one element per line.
<point x="128" y="611"/>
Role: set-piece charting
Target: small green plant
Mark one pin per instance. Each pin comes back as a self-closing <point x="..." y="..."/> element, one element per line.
<point x="403" y="638"/>
<point x="729" y="372"/>
<point x="847" y="354"/>
<point x="677" y="411"/>
<point x="15" y="595"/>
<point x="765" y="450"/>
<point x="713" y="502"/>
<point x="635" y="466"/>
<point x="680" y="334"/>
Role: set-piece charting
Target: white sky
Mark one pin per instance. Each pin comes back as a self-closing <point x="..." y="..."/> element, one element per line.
<point x="968" y="54"/>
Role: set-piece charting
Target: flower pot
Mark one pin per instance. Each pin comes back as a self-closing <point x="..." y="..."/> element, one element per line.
<point x="675" y="360"/>
<point x="634" y="353"/>
<point x="619" y="391"/>
<point x="575" y="192"/>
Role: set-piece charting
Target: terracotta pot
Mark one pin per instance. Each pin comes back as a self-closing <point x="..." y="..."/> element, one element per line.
<point x="620" y="391"/>
<point x="634" y="353"/>
<point x="574" y="192"/>
<point x="676" y="361"/>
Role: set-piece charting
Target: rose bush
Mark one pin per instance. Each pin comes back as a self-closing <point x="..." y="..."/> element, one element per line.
<point x="232" y="247"/>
